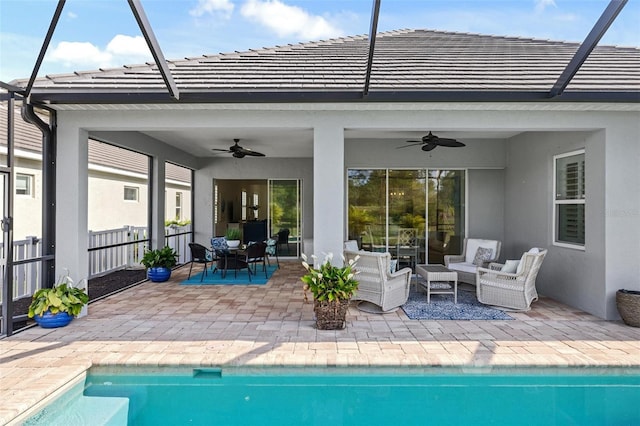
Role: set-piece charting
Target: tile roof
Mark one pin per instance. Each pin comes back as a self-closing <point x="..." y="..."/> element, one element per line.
<point x="404" y="60"/>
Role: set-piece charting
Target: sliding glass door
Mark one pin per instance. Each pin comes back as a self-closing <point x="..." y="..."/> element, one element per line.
<point x="285" y="215"/>
<point x="446" y="218"/>
<point x="420" y="212"/>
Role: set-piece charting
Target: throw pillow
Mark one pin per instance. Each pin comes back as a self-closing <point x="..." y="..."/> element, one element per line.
<point x="219" y="244"/>
<point x="482" y="255"/>
<point x="510" y="266"/>
<point x="393" y="265"/>
<point x="271" y="247"/>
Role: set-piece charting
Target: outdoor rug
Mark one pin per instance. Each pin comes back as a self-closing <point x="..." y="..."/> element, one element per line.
<point x="230" y="279"/>
<point x="443" y="308"/>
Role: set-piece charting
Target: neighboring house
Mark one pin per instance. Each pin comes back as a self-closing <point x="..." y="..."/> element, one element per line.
<point x="307" y="107"/>
<point x="117" y="184"/>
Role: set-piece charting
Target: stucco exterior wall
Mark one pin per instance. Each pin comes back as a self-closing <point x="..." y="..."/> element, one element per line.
<point x="610" y="134"/>
<point x="576" y="277"/>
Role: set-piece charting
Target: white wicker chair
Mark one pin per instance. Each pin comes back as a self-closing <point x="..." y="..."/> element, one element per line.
<point x="379" y="290"/>
<point x="510" y="290"/>
<point x="463" y="264"/>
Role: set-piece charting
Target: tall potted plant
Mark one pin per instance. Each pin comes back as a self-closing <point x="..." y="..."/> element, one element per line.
<point x="159" y="263"/>
<point x="57" y="306"/>
<point x="332" y="288"/>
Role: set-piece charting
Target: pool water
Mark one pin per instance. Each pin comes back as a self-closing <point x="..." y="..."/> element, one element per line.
<point x="477" y="397"/>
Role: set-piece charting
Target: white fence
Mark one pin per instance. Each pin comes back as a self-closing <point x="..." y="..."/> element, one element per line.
<point x="26" y="277"/>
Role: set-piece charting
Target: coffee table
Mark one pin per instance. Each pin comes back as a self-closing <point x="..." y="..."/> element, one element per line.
<point x="439" y="280"/>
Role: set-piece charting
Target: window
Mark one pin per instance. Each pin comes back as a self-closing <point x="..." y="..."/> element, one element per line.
<point x="569" y="200"/>
<point x="178" y="205"/>
<point x="24" y="184"/>
<point x="216" y="204"/>
<point x="244" y="205"/>
<point x="131" y="193"/>
<point x="255" y="206"/>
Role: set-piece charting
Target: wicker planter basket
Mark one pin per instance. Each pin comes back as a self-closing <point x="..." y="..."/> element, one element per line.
<point x="330" y="315"/>
<point x="628" y="302"/>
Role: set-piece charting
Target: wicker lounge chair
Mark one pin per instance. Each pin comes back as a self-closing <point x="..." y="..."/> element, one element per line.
<point x="464" y="264"/>
<point x="515" y="290"/>
<point x="379" y="290"/>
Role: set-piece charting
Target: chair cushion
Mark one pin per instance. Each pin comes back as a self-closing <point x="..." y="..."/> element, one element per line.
<point x="474" y="243"/>
<point x="482" y="255"/>
<point x="510" y="266"/>
<point x="351" y="245"/>
<point x="463" y="267"/>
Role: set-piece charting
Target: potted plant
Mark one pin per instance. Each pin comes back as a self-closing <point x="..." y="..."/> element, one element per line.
<point x="628" y="304"/>
<point x="233" y="237"/>
<point x="332" y="288"/>
<point x="57" y="306"/>
<point x="159" y="263"/>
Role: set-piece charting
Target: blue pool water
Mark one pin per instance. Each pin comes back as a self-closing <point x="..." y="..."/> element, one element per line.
<point x="333" y="397"/>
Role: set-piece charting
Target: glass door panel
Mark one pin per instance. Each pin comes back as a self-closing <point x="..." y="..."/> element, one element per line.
<point x="367" y="217"/>
<point x="446" y="218"/>
<point x="285" y="215"/>
<point x="407" y="213"/>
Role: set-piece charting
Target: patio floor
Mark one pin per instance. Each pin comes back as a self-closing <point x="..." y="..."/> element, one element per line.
<point x="165" y="324"/>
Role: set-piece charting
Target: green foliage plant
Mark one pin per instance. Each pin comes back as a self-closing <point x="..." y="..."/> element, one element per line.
<point x="329" y="282"/>
<point x="164" y="257"/>
<point x="62" y="297"/>
<point x="233" y="234"/>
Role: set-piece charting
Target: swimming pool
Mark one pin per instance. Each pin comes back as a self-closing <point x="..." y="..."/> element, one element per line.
<point x="371" y="396"/>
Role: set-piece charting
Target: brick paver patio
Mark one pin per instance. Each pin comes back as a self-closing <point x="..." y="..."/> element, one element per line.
<point x="165" y="324"/>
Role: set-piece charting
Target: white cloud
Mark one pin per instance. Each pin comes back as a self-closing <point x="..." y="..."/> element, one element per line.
<point x="541" y="5"/>
<point x="288" y="21"/>
<point x="135" y="48"/>
<point x="212" y="7"/>
<point x="120" y="50"/>
<point x="72" y="15"/>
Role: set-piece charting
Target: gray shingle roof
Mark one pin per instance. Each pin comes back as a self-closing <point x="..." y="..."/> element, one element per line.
<point x="404" y="60"/>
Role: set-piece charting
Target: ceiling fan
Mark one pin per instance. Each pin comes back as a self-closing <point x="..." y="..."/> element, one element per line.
<point x="431" y="141"/>
<point x="238" y="151"/>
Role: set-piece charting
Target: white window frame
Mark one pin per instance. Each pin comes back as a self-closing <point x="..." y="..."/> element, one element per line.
<point x="178" y="205"/>
<point x="137" y="192"/>
<point x="30" y="179"/>
<point x="243" y="196"/>
<point x="557" y="203"/>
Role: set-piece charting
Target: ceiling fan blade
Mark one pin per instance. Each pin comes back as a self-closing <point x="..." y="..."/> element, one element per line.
<point x="429" y="146"/>
<point x="452" y="143"/>
<point x="220" y="150"/>
<point x="246" y="151"/>
<point x="412" y="143"/>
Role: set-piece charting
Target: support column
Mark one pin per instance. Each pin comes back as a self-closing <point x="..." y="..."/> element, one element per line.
<point x="157" y="202"/>
<point x="72" y="203"/>
<point x="328" y="191"/>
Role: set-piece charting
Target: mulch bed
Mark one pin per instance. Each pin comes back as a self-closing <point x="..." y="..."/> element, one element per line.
<point x="97" y="288"/>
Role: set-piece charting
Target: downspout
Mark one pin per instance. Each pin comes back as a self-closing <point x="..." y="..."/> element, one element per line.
<point x="48" y="191"/>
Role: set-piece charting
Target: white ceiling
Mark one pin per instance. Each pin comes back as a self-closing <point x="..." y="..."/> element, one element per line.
<point x="293" y="143"/>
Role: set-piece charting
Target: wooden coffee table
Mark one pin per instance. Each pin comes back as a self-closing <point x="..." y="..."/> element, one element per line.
<point x="440" y="280"/>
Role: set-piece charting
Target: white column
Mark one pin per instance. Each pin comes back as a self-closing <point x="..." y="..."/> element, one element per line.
<point x="202" y="215"/>
<point x="158" y="202"/>
<point x="328" y="191"/>
<point x="72" y="241"/>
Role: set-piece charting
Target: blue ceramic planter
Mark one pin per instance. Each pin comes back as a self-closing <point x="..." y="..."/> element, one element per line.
<point x="159" y="274"/>
<point x="49" y="320"/>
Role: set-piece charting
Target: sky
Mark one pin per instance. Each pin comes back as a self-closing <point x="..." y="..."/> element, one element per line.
<point x="94" y="34"/>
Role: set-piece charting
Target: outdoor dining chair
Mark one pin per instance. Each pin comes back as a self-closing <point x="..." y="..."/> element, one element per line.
<point x="200" y="254"/>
